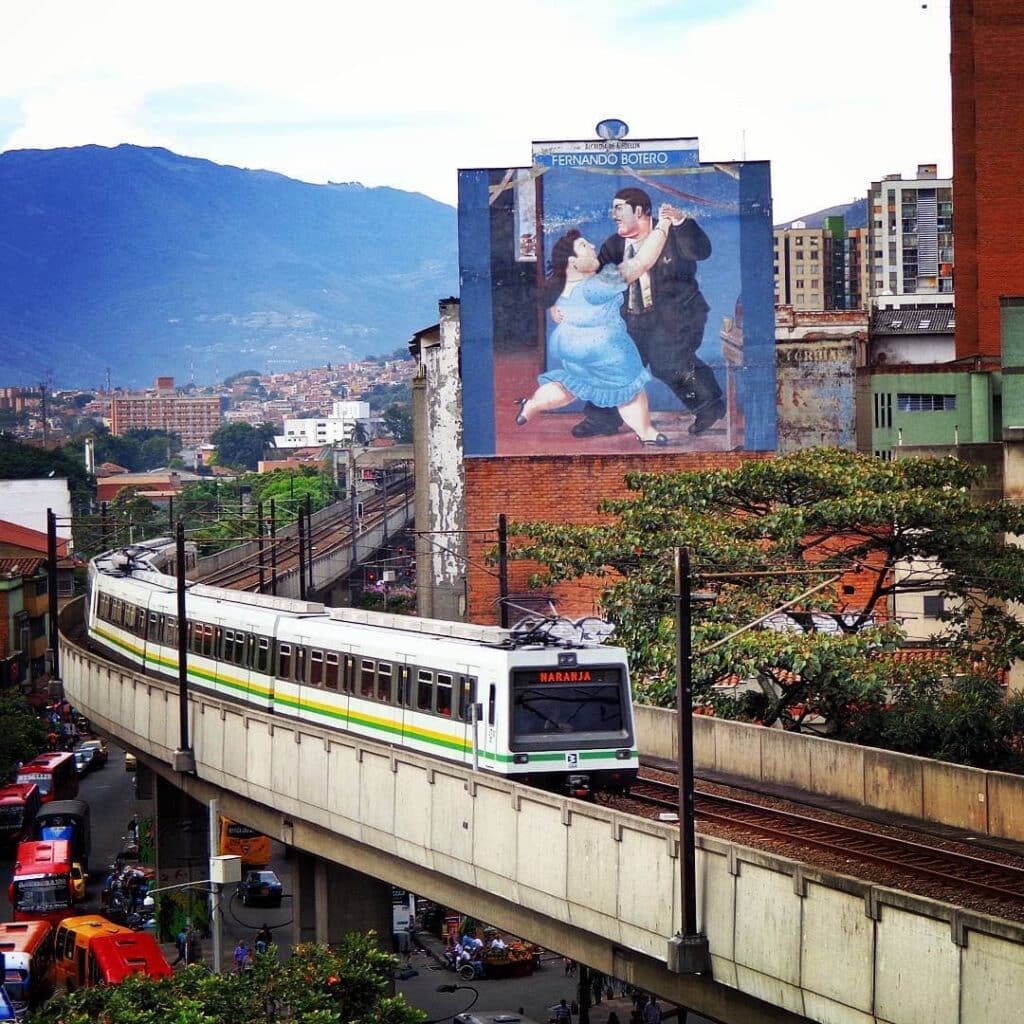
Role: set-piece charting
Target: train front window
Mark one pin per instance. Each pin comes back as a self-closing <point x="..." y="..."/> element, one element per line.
<point x="549" y="709"/>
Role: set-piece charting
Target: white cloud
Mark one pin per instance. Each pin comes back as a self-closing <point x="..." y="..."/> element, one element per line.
<point x="405" y="93"/>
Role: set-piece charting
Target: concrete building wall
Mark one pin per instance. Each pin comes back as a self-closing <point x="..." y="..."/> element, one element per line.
<point x="443" y="478"/>
<point x="817" y="355"/>
<point x="25" y="502"/>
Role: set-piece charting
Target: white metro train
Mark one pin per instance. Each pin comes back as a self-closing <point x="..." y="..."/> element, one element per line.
<point x="542" y="705"/>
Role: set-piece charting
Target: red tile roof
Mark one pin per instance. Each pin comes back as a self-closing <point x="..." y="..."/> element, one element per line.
<point x="13" y="567"/>
<point x="32" y="540"/>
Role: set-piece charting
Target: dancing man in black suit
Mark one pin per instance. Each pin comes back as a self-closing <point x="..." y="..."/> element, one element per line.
<point x="665" y="314"/>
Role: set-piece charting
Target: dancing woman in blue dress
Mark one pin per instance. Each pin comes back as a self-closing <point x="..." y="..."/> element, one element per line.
<point x="599" y="361"/>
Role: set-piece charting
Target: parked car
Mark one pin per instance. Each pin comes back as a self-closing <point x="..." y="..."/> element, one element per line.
<point x="98" y="748"/>
<point x="261" y="889"/>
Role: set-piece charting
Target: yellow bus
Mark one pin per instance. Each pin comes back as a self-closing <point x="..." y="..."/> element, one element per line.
<point x="241" y="841"/>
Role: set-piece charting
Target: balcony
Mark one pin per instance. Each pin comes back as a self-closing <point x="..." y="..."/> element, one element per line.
<point x="36" y="605"/>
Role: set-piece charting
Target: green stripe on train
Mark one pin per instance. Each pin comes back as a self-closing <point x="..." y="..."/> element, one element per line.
<point x="344" y="717"/>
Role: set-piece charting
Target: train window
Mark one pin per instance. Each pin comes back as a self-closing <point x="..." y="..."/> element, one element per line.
<point x="404" y="695"/>
<point x="349" y="682"/>
<point x="170" y="631"/>
<point x="331" y="671"/>
<point x="444" y="694"/>
<point x="492" y="694"/>
<point x="262" y="660"/>
<point x="425" y="690"/>
<point x="154" y="627"/>
<point x="466" y="697"/>
<point x="210" y="641"/>
<point x="226" y="645"/>
<point x="384" y="681"/>
<point x="366" y="678"/>
<point x="300" y="664"/>
<point x="284" y="661"/>
<point x="103" y="607"/>
<point x="316" y="668"/>
<point x="137" y="617"/>
<point x="238" y="648"/>
<point x="195" y="637"/>
<point x="115" y="611"/>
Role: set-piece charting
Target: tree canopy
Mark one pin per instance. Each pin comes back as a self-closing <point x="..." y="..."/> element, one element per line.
<point x="316" y="985"/>
<point x="23" y="734"/>
<point x="821" y="530"/>
<point x="242" y="444"/>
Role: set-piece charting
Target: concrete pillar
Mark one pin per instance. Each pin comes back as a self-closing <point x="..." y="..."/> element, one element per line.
<point x="303" y="909"/>
<point x="348" y="901"/>
<point x="182" y="855"/>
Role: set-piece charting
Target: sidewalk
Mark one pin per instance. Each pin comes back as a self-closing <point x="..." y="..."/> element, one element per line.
<point x="622" y="1006"/>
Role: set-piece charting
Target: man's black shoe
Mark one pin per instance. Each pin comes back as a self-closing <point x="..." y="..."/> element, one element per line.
<point x="707" y="416"/>
<point x="591" y="428"/>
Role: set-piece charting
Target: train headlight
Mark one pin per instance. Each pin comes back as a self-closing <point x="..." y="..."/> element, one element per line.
<point x="623" y="755"/>
<point x="521" y="759"/>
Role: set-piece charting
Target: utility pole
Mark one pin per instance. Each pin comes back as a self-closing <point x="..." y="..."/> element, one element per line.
<point x="51" y="574"/>
<point x="688" y="950"/>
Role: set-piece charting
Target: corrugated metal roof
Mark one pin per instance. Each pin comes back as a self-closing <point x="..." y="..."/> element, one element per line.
<point x="913" y="320"/>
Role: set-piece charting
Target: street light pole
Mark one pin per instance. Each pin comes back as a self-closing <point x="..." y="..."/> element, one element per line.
<point x="687" y="950"/>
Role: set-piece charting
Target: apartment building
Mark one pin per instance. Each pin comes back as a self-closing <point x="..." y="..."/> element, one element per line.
<point x="911" y="240"/>
<point x="193" y="419"/>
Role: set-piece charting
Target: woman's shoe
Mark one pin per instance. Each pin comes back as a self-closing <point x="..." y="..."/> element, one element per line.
<point x="659" y="440"/>
<point x="521" y="420"/>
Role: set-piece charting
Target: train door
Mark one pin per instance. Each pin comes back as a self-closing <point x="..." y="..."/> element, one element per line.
<point x="487" y="725"/>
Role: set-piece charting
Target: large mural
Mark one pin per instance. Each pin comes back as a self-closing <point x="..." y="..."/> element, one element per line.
<point x="617" y="297"/>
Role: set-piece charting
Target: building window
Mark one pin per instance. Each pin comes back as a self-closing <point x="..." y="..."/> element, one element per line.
<point x="883" y="410"/>
<point x="934" y="605"/>
<point x="925" y="403"/>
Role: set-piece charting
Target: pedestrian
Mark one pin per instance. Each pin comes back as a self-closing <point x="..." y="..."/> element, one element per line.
<point x="264" y="939"/>
<point x="652" y="1012"/>
<point x="570" y="967"/>
<point x="179" y="943"/>
<point x="596" y="987"/>
<point x="193" y="947"/>
<point x="241" y="956"/>
<point x="562" y="1014"/>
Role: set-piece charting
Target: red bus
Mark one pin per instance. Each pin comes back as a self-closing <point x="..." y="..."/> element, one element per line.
<point x="19" y="804"/>
<point x="113" y="957"/>
<point x="40" y="888"/>
<point x="27" y="948"/>
<point x="54" y="774"/>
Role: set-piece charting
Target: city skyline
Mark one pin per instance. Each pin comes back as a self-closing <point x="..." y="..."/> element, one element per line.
<point x="406" y="99"/>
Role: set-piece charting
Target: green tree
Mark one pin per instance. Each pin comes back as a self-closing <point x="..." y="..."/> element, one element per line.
<point x="398" y="422"/>
<point x="316" y="985"/>
<point x="764" y="533"/>
<point x="242" y="444"/>
<point x="22" y="736"/>
<point x="24" y="462"/>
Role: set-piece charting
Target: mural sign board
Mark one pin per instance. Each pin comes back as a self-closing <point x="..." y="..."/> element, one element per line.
<point x="617" y="298"/>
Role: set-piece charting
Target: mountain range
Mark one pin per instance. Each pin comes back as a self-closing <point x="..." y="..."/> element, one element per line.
<point x="854" y="214"/>
<point x="148" y="263"/>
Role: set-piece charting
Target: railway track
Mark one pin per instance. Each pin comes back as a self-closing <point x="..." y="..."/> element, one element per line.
<point x="328" y="537"/>
<point x="910" y="858"/>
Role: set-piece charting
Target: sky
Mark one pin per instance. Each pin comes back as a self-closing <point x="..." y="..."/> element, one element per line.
<point x="404" y="93"/>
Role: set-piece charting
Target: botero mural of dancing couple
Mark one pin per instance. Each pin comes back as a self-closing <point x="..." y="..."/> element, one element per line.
<point x="629" y="312"/>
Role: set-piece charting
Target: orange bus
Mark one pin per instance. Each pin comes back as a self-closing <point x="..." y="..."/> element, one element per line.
<point x="54" y="774"/>
<point x="113" y="957"/>
<point x="241" y="841"/>
<point x="40" y="888"/>
<point x="19" y="804"/>
<point x="27" y="948"/>
<point x="71" y="947"/>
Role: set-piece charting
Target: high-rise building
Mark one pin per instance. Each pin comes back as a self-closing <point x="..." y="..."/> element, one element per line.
<point x="911" y="240"/>
<point x="193" y="419"/>
<point x="822" y="268"/>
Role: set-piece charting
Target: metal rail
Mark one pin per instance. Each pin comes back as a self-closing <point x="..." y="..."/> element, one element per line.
<point x="916" y="859"/>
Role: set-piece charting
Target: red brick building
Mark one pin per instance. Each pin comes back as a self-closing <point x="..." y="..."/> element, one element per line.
<point x="987" y="65"/>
